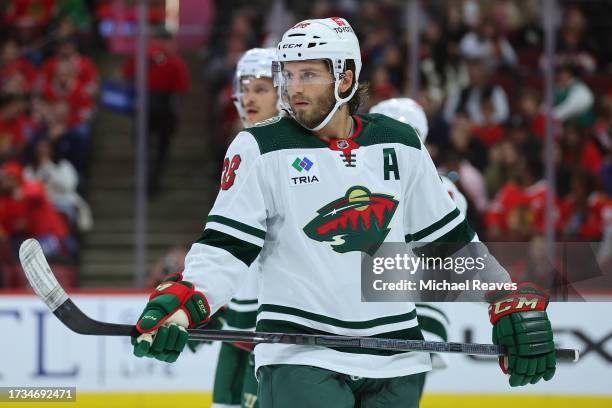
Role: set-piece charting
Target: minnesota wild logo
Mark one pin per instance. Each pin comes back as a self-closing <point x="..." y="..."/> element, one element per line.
<point x="356" y="222"/>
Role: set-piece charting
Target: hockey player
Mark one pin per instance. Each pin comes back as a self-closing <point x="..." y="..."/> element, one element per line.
<point x="256" y="100"/>
<point x="309" y="194"/>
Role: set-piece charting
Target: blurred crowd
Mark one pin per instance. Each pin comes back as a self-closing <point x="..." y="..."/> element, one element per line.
<point x="481" y="83"/>
<point x="48" y="89"/>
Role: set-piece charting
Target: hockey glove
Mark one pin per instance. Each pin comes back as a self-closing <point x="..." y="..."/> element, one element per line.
<point x="520" y="323"/>
<point x="173" y="307"/>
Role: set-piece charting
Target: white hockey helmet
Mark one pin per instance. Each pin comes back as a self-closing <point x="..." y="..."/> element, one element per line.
<point x="255" y="63"/>
<point x="404" y="110"/>
<point x="331" y="39"/>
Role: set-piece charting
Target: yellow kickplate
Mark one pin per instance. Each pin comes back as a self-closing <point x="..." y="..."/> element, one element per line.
<point x="125" y="400"/>
<point x="203" y="400"/>
<point x="513" y="401"/>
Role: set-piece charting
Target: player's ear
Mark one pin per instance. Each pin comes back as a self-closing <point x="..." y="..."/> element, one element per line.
<point x="346" y="82"/>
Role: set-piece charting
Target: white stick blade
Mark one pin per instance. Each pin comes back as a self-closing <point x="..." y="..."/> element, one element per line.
<point x="39" y="274"/>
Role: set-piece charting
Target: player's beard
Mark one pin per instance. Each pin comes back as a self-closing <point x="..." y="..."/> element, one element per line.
<point x="320" y="108"/>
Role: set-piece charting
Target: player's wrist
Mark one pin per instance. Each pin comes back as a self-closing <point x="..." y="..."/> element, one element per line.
<point x="174" y="301"/>
<point x="528" y="297"/>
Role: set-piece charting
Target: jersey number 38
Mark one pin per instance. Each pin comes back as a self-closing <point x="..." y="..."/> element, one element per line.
<point x="229" y="171"/>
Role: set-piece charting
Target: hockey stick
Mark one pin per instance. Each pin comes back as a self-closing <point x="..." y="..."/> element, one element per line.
<point x="45" y="285"/>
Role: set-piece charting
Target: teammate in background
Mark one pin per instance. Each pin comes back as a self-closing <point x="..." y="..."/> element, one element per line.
<point x="309" y="194"/>
<point x="432" y="319"/>
<point x="256" y="100"/>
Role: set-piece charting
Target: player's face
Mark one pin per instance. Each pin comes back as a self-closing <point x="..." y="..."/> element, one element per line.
<point x="258" y="99"/>
<point x="310" y="90"/>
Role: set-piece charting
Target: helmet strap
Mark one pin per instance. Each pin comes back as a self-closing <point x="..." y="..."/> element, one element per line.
<point x="339" y="102"/>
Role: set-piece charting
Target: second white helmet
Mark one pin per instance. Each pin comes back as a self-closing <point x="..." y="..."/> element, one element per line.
<point x="255" y="63"/>
<point x="404" y="110"/>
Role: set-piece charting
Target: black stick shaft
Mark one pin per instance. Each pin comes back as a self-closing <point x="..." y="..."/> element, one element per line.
<point x="79" y="322"/>
<point x="361" y="342"/>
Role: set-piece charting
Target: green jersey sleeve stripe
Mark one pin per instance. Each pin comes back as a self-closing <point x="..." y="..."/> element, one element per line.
<point x="281" y="326"/>
<point x="247" y="229"/>
<point x="242" y="250"/>
<point x="449" y="243"/>
<point x="431" y="325"/>
<point x="240" y="320"/>
<point x="366" y="324"/>
<point x="462" y="233"/>
<point x="435" y="309"/>
<point x="433" y="227"/>
<point x="245" y="301"/>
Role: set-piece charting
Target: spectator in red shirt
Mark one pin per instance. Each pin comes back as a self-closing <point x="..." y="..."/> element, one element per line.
<point x="17" y="74"/>
<point x="27" y="211"/>
<point x="535" y="188"/>
<point x="83" y="68"/>
<point x="26" y="21"/>
<point x="579" y="149"/>
<point x="519" y="208"/>
<point x="529" y="112"/>
<point x="29" y="12"/>
<point x="505" y="218"/>
<point x="489" y="131"/>
<point x="583" y="209"/>
<point x="66" y="86"/>
<point x="13" y="126"/>
<point x="167" y="78"/>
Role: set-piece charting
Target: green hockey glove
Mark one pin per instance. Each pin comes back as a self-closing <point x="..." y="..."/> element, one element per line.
<point x="520" y="323"/>
<point x="173" y="307"/>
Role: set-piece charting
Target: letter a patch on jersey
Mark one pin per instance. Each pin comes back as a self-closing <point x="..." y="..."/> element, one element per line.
<point x="390" y="166"/>
<point x="356" y="222"/>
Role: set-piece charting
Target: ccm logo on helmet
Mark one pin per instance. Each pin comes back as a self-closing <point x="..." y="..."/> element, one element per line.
<point x="338" y="21"/>
<point x="292" y="45"/>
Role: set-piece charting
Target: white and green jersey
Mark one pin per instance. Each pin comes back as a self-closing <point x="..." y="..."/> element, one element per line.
<point x="434" y="324"/>
<point x="308" y="208"/>
<point x="241" y="313"/>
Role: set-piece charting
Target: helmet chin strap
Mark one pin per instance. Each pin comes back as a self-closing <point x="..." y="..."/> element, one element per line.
<point x="339" y="101"/>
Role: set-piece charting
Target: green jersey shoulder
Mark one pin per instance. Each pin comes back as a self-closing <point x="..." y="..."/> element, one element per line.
<point x="379" y="129"/>
<point x="280" y="133"/>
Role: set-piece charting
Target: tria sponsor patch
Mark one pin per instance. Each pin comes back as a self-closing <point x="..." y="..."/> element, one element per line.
<point x="302" y="170"/>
